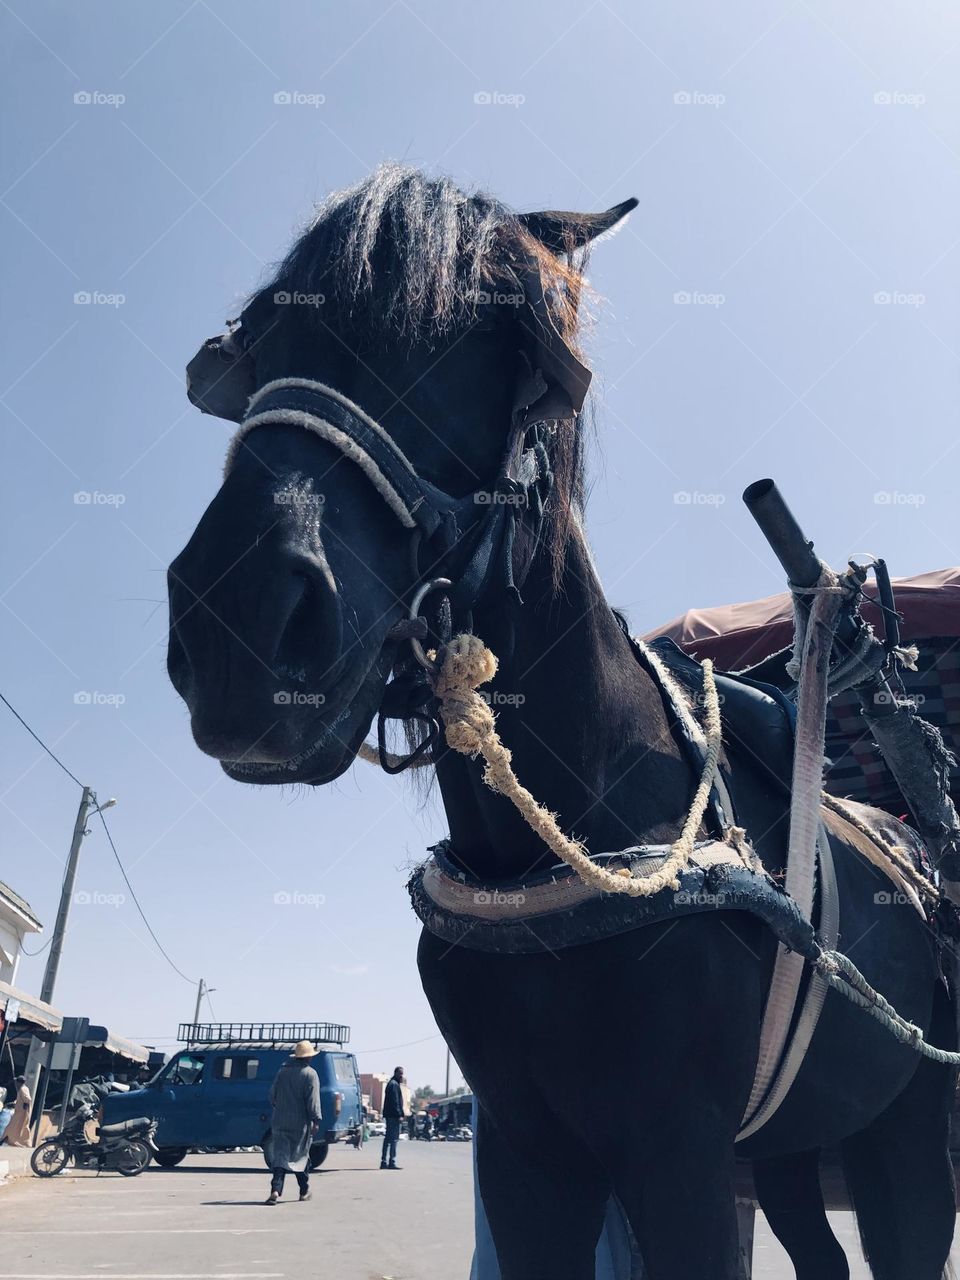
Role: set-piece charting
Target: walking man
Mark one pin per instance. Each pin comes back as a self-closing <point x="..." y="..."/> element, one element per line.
<point x="295" y="1098"/>
<point x="392" y="1115"/>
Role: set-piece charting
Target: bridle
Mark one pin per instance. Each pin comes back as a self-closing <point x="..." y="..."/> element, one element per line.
<point x="461" y="548"/>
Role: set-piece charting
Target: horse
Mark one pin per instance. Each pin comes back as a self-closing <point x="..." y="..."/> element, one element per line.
<point x="440" y="329"/>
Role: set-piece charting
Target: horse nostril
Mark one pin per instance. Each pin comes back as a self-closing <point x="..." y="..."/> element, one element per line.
<point x="310" y="640"/>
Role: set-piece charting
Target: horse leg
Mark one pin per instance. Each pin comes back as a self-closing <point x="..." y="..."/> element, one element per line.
<point x="789" y="1193"/>
<point x="545" y="1207"/>
<point x="899" y="1171"/>
<point x="680" y="1198"/>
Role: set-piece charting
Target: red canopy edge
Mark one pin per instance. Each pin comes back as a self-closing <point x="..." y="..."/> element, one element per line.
<point x="735" y="636"/>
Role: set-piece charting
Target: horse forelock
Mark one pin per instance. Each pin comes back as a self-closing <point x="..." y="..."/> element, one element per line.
<point x="403" y="257"/>
<point x="407" y="257"/>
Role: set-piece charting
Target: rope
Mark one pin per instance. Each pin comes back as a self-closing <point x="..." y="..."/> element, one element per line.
<point x="894" y="853"/>
<point x="844" y="976"/>
<point x="371" y="755"/>
<point x="465" y="664"/>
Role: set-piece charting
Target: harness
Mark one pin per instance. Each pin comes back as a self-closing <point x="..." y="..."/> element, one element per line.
<point x="473" y="551"/>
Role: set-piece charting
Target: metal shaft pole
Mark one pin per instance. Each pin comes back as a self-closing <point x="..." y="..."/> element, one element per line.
<point x="66" y="897"/>
<point x="196" y="1012"/>
<point x="446" y="1092"/>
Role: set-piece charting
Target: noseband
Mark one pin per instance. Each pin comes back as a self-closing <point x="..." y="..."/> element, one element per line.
<point x="468" y="541"/>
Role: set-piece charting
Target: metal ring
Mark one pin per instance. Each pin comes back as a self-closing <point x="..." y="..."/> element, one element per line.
<point x="422" y="592"/>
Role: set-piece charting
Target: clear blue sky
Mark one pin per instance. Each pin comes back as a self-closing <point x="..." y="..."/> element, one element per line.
<point x="782" y="196"/>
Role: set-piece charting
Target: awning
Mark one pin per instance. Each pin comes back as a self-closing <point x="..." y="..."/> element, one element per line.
<point x="101" y="1038"/>
<point x="32" y="1009"/>
<point x="738" y="635"/>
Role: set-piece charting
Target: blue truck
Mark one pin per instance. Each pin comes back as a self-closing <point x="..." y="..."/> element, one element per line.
<point x="214" y="1093"/>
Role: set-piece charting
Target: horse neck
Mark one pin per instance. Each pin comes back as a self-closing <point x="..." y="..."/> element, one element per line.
<point x="586" y="727"/>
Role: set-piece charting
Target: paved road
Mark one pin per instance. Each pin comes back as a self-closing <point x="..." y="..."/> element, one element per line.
<point x="206" y="1220"/>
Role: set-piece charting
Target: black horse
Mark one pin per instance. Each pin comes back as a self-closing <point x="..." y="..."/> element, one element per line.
<point x="452" y="323"/>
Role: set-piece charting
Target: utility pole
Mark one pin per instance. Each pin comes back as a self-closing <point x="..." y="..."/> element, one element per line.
<point x="196" y="1012"/>
<point x="87" y="800"/>
<point x="446" y="1092"/>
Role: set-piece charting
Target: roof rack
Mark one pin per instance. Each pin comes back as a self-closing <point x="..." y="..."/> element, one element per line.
<point x="262" y="1032"/>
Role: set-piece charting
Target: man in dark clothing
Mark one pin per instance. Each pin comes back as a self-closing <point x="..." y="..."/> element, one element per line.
<point x="392" y="1115"/>
<point x="295" y="1097"/>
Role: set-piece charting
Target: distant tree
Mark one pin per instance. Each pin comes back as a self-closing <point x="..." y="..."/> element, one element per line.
<point x="424" y="1093"/>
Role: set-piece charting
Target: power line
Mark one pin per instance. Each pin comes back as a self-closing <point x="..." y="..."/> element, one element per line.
<point x="37" y="738"/>
<point x="136" y="903"/>
<point x="25" y="952"/>
<point x="405" y="1045"/>
<point x="133" y="895"/>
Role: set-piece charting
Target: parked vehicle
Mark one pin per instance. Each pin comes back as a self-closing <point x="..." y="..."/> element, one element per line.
<point x="214" y="1093"/>
<point x="125" y="1147"/>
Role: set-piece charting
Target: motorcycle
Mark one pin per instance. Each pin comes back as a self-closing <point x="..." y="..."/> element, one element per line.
<point x="125" y="1147"/>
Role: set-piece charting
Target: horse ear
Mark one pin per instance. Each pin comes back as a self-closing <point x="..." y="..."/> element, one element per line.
<point x="564" y="232"/>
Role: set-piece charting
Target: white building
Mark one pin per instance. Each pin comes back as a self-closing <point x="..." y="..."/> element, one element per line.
<point x="16" y="921"/>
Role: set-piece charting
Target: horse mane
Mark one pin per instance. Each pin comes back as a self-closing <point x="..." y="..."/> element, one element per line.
<point x="404" y="258"/>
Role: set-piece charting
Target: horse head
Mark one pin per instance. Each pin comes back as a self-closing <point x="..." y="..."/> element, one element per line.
<point x="403" y="385"/>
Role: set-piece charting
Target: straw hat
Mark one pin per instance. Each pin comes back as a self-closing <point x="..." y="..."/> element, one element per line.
<point x="304" y="1049"/>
